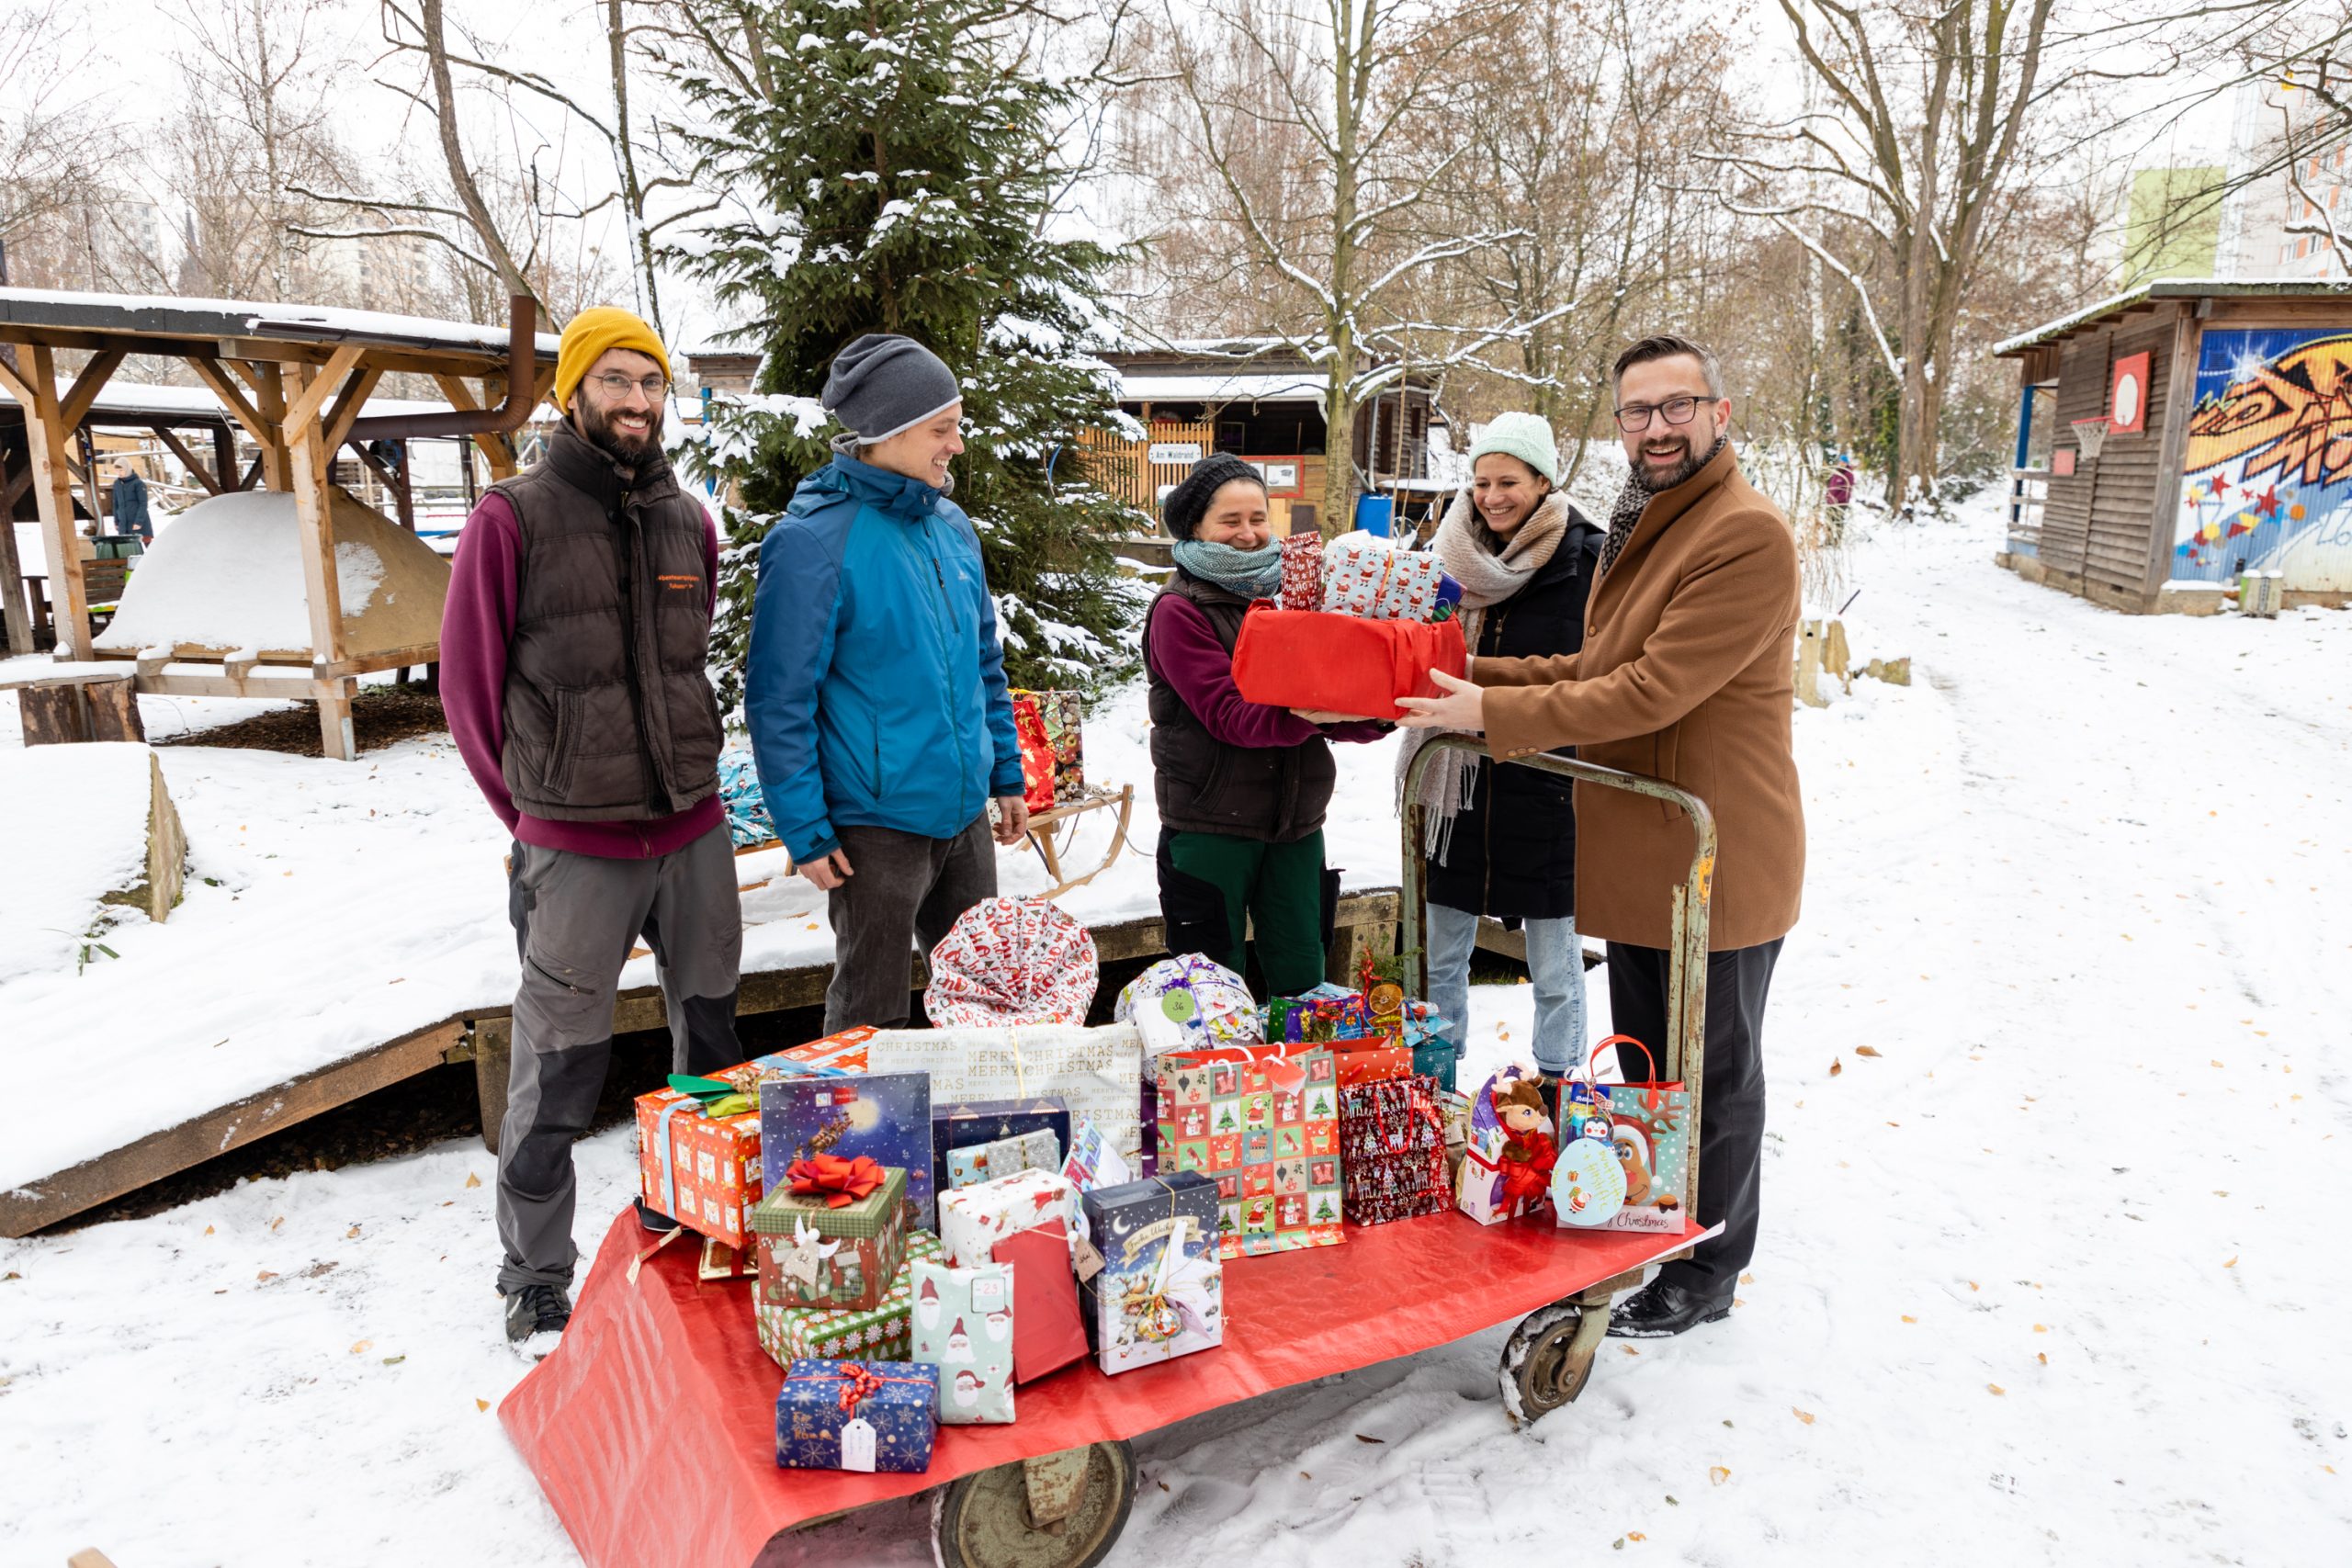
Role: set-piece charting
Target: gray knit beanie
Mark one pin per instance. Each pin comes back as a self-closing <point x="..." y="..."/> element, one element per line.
<point x="1189" y="501"/>
<point x="883" y="384"/>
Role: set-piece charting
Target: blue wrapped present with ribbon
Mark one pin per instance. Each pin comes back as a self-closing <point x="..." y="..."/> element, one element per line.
<point x="866" y="1415"/>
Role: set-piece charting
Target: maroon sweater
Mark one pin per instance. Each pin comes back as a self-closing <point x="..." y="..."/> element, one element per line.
<point x="475" y="626"/>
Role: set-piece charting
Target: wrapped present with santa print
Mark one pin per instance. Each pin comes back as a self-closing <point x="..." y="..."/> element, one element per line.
<point x="1160" y="1292"/>
<point x="1367" y="577"/>
<point x="985" y="1121"/>
<point x="1014" y="963"/>
<point x="883" y="1331"/>
<point x="1261" y="1122"/>
<point x="963" y="1326"/>
<point x="1507" y="1164"/>
<point x="832" y="1233"/>
<point x="862" y="1415"/>
<point x="972" y="1220"/>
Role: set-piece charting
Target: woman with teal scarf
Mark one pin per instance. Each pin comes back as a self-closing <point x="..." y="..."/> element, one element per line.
<point x="1242" y="786"/>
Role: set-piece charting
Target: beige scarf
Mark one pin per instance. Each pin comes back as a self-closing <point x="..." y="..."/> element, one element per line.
<point x="1490" y="571"/>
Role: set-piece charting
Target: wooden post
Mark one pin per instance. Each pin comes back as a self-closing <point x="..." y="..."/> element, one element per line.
<point x="269" y="401"/>
<point x="1809" y="644"/>
<point x="307" y="466"/>
<point x="224" y="457"/>
<point x="46" y="429"/>
<point x="14" y="615"/>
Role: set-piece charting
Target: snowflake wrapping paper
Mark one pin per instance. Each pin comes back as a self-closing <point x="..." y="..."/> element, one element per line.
<point x="868" y="1416"/>
<point x="1012" y="961"/>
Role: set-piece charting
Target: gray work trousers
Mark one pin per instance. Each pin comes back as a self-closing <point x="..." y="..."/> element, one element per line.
<point x="902" y="889"/>
<point x="575" y="919"/>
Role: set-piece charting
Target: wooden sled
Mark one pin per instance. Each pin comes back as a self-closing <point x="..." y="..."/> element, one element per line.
<point x="1052" y="832"/>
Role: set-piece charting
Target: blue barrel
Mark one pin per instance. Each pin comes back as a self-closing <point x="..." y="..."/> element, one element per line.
<point x="1375" y="514"/>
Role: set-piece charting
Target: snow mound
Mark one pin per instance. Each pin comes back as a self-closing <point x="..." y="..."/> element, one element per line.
<point x="97" y="796"/>
<point x="227" y="575"/>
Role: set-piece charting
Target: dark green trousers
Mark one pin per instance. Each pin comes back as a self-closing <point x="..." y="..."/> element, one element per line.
<point x="1211" y="886"/>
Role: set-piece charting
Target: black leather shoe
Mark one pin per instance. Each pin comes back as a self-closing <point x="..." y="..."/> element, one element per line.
<point x="1660" y="1310"/>
<point x="653" y="1220"/>
<point x="535" y="1309"/>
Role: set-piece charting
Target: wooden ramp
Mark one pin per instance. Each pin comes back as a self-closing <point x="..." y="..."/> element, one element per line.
<point x="483" y="1035"/>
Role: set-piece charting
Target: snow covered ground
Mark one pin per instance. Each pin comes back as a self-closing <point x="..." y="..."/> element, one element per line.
<point x="353" y="902"/>
<point x="2055" y="1274"/>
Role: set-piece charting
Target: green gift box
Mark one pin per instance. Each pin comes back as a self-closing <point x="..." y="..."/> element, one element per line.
<point x="813" y="1254"/>
<point x="883" y="1333"/>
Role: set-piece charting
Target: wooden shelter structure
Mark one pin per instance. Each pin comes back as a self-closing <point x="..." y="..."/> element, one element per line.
<point x="2176" y="437"/>
<point x="297" y="380"/>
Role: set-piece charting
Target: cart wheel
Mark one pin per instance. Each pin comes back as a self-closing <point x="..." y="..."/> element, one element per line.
<point x="984" y="1520"/>
<point x="1547" y="1361"/>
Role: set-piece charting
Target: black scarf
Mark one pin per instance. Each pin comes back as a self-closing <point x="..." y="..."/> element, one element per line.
<point x="1632" y="497"/>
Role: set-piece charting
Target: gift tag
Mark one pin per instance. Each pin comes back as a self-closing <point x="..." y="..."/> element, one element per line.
<point x="1085" y="1258"/>
<point x="1179" y="1005"/>
<point x="1588" y="1183"/>
<point x="857" y="1444"/>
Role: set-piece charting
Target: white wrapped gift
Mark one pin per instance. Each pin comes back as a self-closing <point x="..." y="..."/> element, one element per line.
<point x="1098" y="1072"/>
<point x="973" y="1219"/>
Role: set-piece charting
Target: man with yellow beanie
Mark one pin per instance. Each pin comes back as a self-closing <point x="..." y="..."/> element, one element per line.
<point x="572" y="649"/>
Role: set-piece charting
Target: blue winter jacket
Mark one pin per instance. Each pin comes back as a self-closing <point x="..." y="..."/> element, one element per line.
<point x="875" y="686"/>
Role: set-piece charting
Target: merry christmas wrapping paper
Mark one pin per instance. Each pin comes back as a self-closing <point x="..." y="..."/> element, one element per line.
<point x="1161" y="1293"/>
<point x="1261" y="1122"/>
<point x="1098" y="1072"/>
<point x="883" y="1332"/>
<point x="863" y="1416"/>
<point x="963" y="1326"/>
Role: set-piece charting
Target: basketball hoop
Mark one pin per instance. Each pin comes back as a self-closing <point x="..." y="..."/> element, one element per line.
<point x="2090" y="434"/>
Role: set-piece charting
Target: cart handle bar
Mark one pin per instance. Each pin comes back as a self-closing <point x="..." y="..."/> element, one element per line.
<point x="1686" y="986"/>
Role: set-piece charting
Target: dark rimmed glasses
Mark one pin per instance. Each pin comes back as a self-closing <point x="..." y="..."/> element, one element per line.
<point x="616" y="385"/>
<point x="1635" y="418"/>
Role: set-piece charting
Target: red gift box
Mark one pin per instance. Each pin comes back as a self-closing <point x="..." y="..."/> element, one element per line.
<point x="1047" y="1332"/>
<point x="1036" y="753"/>
<point x="1305" y="659"/>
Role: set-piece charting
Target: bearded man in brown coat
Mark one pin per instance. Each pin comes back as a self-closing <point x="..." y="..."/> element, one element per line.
<point x="1687" y="675"/>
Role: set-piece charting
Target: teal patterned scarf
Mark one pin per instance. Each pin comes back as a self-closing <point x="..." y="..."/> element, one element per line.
<point x="1253" y="574"/>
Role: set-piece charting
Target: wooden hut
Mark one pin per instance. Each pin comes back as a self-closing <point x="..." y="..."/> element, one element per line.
<point x="297" y="379"/>
<point x="2177" y="436"/>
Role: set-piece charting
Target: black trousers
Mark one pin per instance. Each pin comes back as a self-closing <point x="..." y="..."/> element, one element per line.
<point x="1731" y="1109"/>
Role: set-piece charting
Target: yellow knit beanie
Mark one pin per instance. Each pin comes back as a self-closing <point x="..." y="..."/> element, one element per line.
<point x="589" y="334"/>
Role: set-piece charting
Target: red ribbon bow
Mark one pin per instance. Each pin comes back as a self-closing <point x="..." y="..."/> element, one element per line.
<point x="839" y="1181"/>
<point x="859" y="1382"/>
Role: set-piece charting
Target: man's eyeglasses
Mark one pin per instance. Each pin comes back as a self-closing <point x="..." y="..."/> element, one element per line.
<point x="1635" y="418"/>
<point x="617" y="386"/>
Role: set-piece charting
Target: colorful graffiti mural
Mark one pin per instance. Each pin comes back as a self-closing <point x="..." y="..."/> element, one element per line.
<point x="2267" y="484"/>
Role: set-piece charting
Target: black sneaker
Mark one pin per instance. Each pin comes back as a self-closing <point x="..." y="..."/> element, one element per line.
<point x="1660" y="1310"/>
<point x="654" y="1221"/>
<point x="536" y="1309"/>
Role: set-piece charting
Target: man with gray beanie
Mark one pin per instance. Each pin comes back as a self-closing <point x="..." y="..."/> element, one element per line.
<point x="874" y="687"/>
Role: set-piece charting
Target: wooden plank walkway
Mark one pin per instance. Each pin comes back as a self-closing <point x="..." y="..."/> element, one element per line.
<point x="483" y="1036"/>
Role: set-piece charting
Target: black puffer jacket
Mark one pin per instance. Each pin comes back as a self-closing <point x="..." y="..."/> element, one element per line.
<point x="1513" y="850"/>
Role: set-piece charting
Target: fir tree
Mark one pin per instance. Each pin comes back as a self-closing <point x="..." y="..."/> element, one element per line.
<point x="891" y="167"/>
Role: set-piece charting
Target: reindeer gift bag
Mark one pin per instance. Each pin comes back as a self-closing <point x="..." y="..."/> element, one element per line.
<point x="1649" y="1124"/>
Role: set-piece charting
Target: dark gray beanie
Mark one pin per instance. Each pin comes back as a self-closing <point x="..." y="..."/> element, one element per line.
<point x="883" y="384"/>
<point x="1189" y="501"/>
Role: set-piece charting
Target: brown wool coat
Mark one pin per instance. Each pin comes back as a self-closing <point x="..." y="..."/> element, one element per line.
<point x="1686" y="674"/>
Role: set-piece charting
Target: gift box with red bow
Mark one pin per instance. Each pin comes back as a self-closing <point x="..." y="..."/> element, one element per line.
<point x="883" y="1331"/>
<point x="868" y="1416"/>
<point x="831" y="1234"/>
<point x="1263" y="1123"/>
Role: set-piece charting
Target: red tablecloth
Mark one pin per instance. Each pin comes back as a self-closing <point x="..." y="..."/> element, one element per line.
<point x="652" y="1426"/>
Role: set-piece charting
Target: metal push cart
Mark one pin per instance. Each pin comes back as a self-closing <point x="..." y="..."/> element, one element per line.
<point x="1055" y="1488"/>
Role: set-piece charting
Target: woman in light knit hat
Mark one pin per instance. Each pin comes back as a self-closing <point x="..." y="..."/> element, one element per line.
<point x="1502" y="840"/>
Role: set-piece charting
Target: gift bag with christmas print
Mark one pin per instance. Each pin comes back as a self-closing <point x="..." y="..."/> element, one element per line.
<point x="1649" y="1122"/>
<point x="1263" y="1123"/>
<point x="963" y="1326"/>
